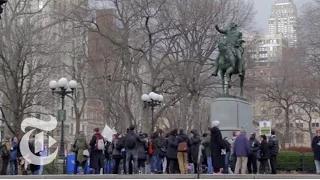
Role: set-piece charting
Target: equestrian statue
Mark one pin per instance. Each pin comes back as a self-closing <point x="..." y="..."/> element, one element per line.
<point x="230" y="60"/>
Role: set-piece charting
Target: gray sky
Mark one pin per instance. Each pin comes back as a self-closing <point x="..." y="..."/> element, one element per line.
<point x="263" y="8"/>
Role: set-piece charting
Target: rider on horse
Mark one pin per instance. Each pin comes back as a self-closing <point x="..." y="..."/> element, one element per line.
<point x="230" y="47"/>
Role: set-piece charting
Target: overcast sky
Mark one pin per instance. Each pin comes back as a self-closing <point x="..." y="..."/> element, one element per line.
<point x="263" y="8"/>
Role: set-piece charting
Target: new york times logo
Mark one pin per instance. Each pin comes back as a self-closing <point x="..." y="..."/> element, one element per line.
<point x="37" y="143"/>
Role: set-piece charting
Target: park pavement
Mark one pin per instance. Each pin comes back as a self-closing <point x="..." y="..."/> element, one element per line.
<point x="168" y="176"/>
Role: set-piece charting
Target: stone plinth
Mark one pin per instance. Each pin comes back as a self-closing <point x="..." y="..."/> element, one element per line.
<point x="234" y="113"/>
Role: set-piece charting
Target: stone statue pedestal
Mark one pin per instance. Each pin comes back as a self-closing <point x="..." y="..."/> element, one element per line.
<point x="234" y="114"/>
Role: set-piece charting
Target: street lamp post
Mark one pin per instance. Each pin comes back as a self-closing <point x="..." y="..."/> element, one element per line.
<point x="65" y="89"/>
<point x="152" y="100"/>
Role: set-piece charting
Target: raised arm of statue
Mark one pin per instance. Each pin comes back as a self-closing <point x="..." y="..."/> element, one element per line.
<point x="222" y="31"/>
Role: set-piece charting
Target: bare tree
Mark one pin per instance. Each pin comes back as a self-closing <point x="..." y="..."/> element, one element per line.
<point x="166" y="47"/>
<point x="29" y="47"/>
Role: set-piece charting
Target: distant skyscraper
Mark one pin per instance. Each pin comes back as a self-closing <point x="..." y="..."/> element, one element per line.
<point x="283" y="20"/>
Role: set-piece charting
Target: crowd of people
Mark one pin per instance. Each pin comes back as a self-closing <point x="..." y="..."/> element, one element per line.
<point x="179" y="152"/>
<point x="173" y="152"/>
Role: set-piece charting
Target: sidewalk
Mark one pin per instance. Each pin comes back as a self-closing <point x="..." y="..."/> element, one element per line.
<point x="168" y="176"/>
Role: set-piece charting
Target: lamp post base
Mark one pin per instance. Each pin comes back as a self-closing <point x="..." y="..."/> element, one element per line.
<point x="62" y="164"/>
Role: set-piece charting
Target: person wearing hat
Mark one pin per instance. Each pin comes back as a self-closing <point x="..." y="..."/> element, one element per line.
<point x="316" y="150"/>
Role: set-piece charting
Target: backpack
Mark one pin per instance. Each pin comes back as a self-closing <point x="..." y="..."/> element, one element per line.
<point x="259" y="154"/>
<point x="130" y="140"/>
<point x="150" y="148"/>
<point x="4" y="151"/>
<point x="100" y="143"/>
<point x="109" y="148"/>
<point x="183" y="147"/>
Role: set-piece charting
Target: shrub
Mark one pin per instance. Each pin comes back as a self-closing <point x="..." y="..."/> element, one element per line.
<point x="308" y="162"/>
<point x="299" y="149"/>
<point x="289" y="160"/>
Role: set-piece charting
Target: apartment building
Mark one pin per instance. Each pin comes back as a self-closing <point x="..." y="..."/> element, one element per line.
<point x="283" y="20"/>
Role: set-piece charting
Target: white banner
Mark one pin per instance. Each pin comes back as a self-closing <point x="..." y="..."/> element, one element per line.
<point x="107" y="133"/>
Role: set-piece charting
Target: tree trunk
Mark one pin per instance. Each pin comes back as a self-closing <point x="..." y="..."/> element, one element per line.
<point x="287" y="135"/>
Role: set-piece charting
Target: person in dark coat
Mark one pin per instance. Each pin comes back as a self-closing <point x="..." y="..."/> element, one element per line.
<point x="116" y="153"/>
<point x="264" y="154"/>
<point x="34" y="168"/>
<point x="227" y="157"/>
<point x="217" y="147"/>
<point x="172" y="152"/>
<point x="96" y="156"/>
<point x="5" y="154"/>
<point x="182" y="154"/>
<point x="194" y="144"/>
<point x="315" y="145"/>
<point x="252" y="159"/>
<point x="142" y="153"/>
<point x="274" y="150"/>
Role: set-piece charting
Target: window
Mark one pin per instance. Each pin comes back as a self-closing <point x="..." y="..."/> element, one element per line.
<point x="277" y="111"/>
<point x="40" y="4"/>
<point x="299" y="125"/>
<point x="83" y="128"/>
<point x="71" y="129"/>
<point x="72" y="112"/>
<point x="315" y="125"/>
<point x="299" y="138"/>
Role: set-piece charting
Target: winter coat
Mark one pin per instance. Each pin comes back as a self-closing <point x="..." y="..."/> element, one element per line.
<point x="273" y="146"/>
<point x="206" y="145"/>
<point x="34" y="167"/>
<point x="96" y="156"/>
<point x="142" y="149"/>
<point x="182" y="138"/>
<point x="172" y="147"/>
<point x="194" y="144"/>
<point x="316" y="147"/>
<point x="264" y="151"/>
<point x="228" y="145"/>
<point x="158" y="144"/>
<point x="81" y="145"/>
<point x="116" y="149"/>
<point x="241" y="146"/>
<point x="217" y="144"/>
<point x="14" y="151"/>
<point x="136" y="136"/>
<point x="5" y="147"/>
<point x="255" y="145"/>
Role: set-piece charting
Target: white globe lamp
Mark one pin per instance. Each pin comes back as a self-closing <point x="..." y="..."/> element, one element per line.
<point x="53" y="85"/>
<point x="72" y="84"/>
<point x="62" y="83"/>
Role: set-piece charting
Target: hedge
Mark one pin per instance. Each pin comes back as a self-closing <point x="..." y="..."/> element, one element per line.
<point x="295" y="161"/>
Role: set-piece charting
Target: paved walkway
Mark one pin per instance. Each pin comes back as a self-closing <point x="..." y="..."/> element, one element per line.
<point x="168" y="176"/>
